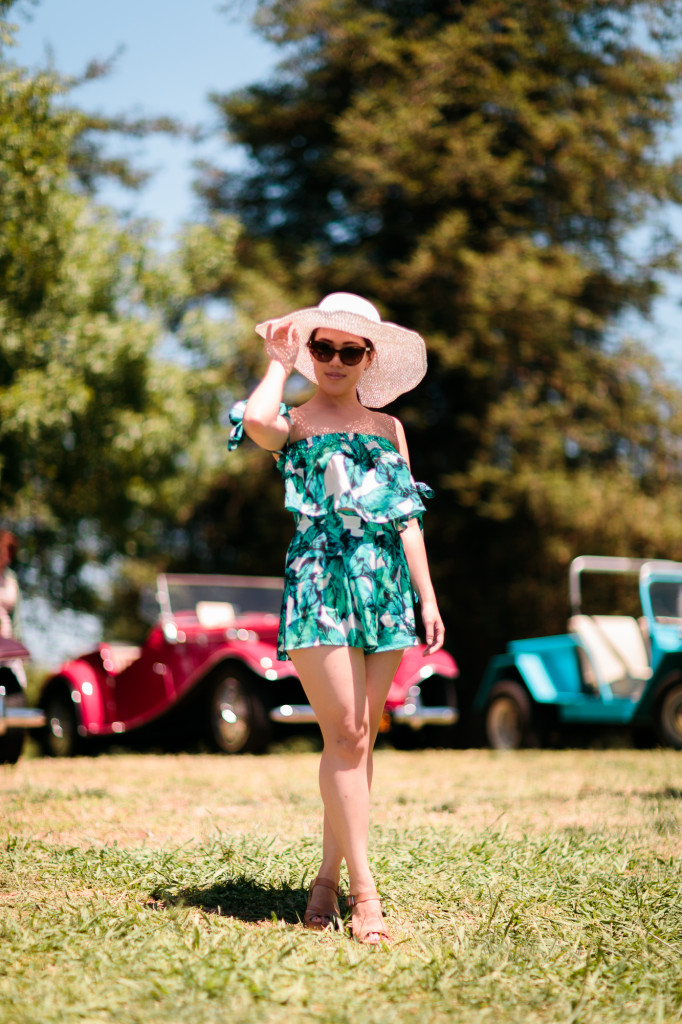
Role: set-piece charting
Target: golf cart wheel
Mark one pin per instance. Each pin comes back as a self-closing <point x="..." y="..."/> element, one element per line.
<point x="60" y="735"/>
<point x="237" y="720"/>
<point x="670" y="717"/>
<point x="509" y="717"/>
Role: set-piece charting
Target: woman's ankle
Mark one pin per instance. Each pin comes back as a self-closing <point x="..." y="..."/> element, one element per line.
<point x="361" y="882"/>
<point x="329" y="871"/>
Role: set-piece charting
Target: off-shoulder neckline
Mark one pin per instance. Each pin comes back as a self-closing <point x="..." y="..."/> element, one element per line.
<point x="343" y="433"/>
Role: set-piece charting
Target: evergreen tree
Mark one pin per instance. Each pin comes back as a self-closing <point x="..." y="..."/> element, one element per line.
<point x="478" y="169"/>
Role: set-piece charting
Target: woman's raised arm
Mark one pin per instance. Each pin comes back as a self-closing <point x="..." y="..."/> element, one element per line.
<point x="262" y="419"/>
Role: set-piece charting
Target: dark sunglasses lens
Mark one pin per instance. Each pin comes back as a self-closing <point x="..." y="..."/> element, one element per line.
<point x="321" y="351"/>
<point x="351" y="356"/>
<point x="324" y="353"/>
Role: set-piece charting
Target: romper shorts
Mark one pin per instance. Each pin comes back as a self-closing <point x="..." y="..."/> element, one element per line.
<point x="346" y="583"/>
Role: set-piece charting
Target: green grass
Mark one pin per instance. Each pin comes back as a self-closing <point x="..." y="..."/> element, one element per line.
<point x="530" y="887"/>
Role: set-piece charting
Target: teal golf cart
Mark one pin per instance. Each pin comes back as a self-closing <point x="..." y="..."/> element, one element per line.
<point x="605" y="671"/>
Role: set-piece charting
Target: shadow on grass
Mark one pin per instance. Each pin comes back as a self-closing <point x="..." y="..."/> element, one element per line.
<point x="242" y="898"/>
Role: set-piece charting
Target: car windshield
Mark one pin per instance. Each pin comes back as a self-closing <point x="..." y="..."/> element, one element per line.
<point x="242" y="593"/>
<point x="666" y="600"/>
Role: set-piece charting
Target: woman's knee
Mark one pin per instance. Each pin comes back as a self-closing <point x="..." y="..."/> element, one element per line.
<point x="350" y="740"/>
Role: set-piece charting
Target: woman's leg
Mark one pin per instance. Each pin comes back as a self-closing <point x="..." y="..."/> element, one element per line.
<point x="379" y="671"/>
<point x="347" y="691"/>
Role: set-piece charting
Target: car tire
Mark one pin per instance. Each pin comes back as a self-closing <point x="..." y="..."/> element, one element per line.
<point x="509" y="718"/>
<point x="59" y="737"/>
<point x="237" y="719"/>
<point x="12" y="742"/>
<point x="669" y="723"/>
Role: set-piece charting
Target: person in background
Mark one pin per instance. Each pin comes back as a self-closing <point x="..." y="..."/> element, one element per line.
<point x="10" y="599"/>
<point x="355" y="560"/>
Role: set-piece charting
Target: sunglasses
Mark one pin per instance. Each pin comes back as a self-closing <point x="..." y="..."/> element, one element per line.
<point x="324" y="352"/>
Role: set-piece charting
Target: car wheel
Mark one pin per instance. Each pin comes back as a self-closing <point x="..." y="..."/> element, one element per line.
<point x="238" y="723"/>
<point x="60" y="736"/>
<point x="12" y="742"/>
<point x="509" y="717"/>
<point x="670" y="717"/>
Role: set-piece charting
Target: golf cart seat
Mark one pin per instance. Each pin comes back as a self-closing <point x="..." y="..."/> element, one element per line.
<point x="616" y="653"/>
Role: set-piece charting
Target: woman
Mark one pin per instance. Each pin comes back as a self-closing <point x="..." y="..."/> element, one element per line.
<point x="10" y="600"/>
<point x="358" y="551"/>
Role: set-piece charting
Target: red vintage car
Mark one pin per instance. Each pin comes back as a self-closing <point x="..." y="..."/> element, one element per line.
<point x="208" y="669"/>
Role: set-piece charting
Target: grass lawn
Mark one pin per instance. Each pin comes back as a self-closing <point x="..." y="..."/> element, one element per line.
<point x="524" y="887"/>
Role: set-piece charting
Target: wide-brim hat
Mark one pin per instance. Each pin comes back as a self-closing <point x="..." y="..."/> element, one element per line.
<point x="399" y="361"/>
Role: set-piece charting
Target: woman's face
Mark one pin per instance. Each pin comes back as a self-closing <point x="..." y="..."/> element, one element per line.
<point x="335" y="377"/>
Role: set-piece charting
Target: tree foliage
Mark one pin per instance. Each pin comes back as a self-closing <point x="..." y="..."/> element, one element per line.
<point x="478" y="169"/>
<point x="104" y="445"/>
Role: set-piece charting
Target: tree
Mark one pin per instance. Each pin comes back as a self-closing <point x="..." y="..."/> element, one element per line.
<point x="104" y="445"/>
<point x="478" y="169"/>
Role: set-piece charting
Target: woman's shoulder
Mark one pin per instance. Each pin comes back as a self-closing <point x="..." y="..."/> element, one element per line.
<point x="307" y="421"/>
<point x="388" y="425"/>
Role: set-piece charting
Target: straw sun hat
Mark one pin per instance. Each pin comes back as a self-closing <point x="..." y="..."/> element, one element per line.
<point x="399" y="361"/>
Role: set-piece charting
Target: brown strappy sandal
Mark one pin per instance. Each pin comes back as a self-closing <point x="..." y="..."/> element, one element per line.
<point x="372" y="931"/>
<point x="321" y="918"/>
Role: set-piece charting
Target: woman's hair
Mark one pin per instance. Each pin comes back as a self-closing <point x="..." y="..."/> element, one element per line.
<point x="369" y="344"/>
<point x="8" y="547"/>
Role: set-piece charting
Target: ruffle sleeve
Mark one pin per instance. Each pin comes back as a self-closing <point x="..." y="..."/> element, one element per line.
<point x="360" y="474"/>
<point x="236" y="435"/>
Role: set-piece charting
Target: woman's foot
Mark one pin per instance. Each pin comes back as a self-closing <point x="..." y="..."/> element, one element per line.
<point x="367" y="921"/>
<point x="322" y="912"/>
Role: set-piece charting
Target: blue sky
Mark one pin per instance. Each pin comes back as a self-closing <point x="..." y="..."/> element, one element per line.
<point x="174" y="52"/>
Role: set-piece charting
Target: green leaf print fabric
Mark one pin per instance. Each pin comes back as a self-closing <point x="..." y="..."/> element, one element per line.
<point x="360" y="473"/>
<point x="346" y="580"/>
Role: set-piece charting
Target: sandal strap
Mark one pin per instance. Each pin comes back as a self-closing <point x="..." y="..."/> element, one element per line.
<point x="325" y="882"/>
<point x="362" y="931"/>
<point x="362" y="897"/>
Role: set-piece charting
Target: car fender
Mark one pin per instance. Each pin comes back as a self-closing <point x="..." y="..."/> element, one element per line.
<point x="668" y="672"/>
<point x="259" y="657"/>
<point x="11" y="649"/>
<point x="415" y="667"/>
<point x="502" y="666"/>
<point x="87" y="693"/>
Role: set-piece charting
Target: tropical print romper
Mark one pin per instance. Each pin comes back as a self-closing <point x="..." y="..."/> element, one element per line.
<point x="346" y="580"/>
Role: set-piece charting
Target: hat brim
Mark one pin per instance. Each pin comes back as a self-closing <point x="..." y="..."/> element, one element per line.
<point x="399" y="362"/>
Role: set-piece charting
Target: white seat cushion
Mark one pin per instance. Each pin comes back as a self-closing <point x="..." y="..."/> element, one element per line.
<point x="624" y="633"/>
<point x="615" y="647"/>
<point x="117" y="657"/>
<point x="213" y="614"/>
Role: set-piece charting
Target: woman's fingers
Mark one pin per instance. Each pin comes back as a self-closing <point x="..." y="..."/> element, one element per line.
<point x="282" y="344"/>
<point x="435" y="634"/>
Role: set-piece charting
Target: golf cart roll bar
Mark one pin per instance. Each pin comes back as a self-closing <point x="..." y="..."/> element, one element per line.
<point x="597" y="563"/>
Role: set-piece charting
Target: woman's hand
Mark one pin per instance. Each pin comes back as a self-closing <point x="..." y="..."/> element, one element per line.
<point x="282" y="345"/>
<point x="433" y="627"/>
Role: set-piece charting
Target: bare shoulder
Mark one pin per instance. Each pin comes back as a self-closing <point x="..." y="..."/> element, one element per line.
<point x="383" y="424"/>
<point x="303" y="422"/>
<point x="401" y="440"/>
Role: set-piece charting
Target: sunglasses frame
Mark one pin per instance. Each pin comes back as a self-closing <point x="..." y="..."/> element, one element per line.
<point x="338" y="351"/>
